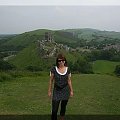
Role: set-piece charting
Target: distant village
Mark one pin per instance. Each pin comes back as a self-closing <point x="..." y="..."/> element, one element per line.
<point x="109" y="46"/>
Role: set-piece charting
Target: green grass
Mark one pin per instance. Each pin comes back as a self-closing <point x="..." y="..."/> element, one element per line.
<point x="26" y="38"/>
<point x="93" y="94"/>
<point x="27" y="56"/>
<point x="30" y="56"/>
<point x="104" y="66"/>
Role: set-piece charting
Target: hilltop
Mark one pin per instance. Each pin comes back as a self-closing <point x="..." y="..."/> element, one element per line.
<point x="38" y="53"/>
<point x="72" y="37"/>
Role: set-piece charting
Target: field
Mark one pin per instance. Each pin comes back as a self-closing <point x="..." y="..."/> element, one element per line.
<point x="104" y="67"/>
<point x="93" y="94"/>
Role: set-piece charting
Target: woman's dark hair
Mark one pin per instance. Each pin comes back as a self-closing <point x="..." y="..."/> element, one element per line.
<point x="61" y="56"/>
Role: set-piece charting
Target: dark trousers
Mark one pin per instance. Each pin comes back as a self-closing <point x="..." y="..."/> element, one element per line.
<point x="55" y="106"/>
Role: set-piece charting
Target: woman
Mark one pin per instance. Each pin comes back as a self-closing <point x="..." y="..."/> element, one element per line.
<point x="61" y="76"/>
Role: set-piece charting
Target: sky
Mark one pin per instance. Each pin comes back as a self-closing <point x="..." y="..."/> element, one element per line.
<point x="59" y="2"/>
<point x="15" y="19"/>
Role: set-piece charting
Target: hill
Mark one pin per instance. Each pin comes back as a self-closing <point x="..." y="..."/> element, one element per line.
<point x="29" y="56"/>
<point x="89" y="34"/>
<point x="31" y="48"/>
<point x="23" y="40"/>
<point x="72" y="37"/>
<point x="42" y="57"/>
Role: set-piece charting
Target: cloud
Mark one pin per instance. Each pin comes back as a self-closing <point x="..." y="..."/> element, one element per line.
<point x="59" y="2"/>
<point x="17" y="19"/>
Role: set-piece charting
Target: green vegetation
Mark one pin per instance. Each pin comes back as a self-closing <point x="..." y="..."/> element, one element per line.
<point x="117" y="70"/>
<point x="89" y="34"/>
<point x="72" y="37"/>
<point x="28" y="95"/>
<point x="30" y="57"/>
<point x="23" y="40"/>
<point x="104" y="66"/>
<point x="61" y="37"/>
<point x="81" y="65"/>
<point x="5" y="77"/>
<point x="6" y="66"/>
<point x="111" y="55"/>
<point x="24" y="80"/>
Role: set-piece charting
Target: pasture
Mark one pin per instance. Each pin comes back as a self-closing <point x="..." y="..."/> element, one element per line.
<point x="93" y="94"/>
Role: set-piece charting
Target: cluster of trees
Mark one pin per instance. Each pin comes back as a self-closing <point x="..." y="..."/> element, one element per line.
<point x="81" y="65"/>
<point x="99" y="43"/>
<point x="111" y="55"/>
<point x="2" y="55"/>
<point x="4" y="65"/>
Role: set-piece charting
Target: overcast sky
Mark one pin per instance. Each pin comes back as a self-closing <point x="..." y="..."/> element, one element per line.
<point x="19" y="19"/>
<point x="59" y="2"/>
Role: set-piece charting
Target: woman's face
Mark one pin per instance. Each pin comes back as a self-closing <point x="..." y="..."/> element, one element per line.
<point x="61" y="61"/>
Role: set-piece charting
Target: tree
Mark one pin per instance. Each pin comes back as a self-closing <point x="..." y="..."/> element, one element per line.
<point x="82" y="66"/>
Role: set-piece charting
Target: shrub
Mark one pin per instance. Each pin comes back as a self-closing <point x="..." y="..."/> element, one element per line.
<point x="33" y="68"/>
<point x="6" y="66"/>
<point x="82" y="66"/>
<point x="117" y="70"/>
<point x="4" y="77"/>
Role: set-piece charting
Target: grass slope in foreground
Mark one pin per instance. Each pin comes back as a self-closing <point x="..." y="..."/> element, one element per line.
<point x="93" y="94"/>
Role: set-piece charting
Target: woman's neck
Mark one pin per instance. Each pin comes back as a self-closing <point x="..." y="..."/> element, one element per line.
<point x="61" y="66"/>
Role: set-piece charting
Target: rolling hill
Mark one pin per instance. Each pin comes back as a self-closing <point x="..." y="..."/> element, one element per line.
<point x="23" y="40"/>
<point x="89" y="34"/>
<point x="70" y="37"/>
<point x="29" y="54"/>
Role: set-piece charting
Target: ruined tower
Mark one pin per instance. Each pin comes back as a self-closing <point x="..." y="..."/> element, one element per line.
<point x="48" y="37"/>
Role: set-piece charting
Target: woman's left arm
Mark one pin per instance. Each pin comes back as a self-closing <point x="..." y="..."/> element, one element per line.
<point x="70" y="85"/>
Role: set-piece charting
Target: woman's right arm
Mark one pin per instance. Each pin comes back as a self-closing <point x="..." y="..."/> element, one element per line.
<point x="50" y="85"/>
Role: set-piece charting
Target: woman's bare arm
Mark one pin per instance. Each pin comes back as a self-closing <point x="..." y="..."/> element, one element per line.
<point x="70" y="85"/>
<point x="50" y="85"/>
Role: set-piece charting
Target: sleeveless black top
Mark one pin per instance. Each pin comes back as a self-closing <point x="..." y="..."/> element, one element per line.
<point x="61" y="89"/>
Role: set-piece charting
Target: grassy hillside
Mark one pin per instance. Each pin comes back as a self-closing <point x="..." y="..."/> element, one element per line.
<point x="29" y="56"/>
<point x="103" y="66"/>
<point x="83" y="33"/>
<point x="25" y="39"/>
<point x="89" y="34"/>
<point x="64" y="37"/>
<point x="93" y="94"/>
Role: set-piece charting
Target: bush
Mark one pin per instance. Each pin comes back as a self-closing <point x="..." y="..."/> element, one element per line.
<point x="82" y="66"/>
<point x="33" y="68"/>
<point x="6" y="66"/>
<point x="4" y="77"/>
<point x="117" y="70"/>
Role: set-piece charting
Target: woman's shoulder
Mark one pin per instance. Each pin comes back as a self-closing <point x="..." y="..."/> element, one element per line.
<point x="68" y="70"/>
<point x="52" y="69"/>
